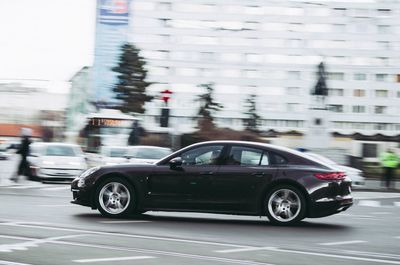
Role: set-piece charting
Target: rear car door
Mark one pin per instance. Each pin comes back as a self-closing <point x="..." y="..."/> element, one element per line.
<point x="242" y="177"/>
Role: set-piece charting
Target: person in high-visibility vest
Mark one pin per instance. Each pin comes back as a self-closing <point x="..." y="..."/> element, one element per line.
<point x="389" y="162"/>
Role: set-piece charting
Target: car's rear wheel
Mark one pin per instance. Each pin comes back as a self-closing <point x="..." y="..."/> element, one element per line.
<point x="285" y="205"/>
<point x="115" y="197"/>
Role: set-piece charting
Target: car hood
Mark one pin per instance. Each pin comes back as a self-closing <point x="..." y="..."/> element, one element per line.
<point x="70" y="162"/>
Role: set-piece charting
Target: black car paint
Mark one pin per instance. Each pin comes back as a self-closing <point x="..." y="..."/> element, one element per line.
<point x="215" y="189"/>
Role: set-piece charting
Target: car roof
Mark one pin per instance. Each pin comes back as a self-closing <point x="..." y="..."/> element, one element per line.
<point x="55" y="144"/>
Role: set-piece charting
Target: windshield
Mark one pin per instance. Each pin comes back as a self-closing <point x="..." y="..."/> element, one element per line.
<point x="58" y="150"/>
<point x="149" y="153"/>
<point x="117" y="152"/>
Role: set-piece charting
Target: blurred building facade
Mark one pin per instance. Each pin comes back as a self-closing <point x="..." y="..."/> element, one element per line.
<point x="271" y="49"/>
<point x="32" y="104"/>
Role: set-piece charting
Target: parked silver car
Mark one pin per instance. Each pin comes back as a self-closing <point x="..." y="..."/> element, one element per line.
<point x="356" y="175"/>
<point x="54" y="161"/>
<point x="140" y="154"/>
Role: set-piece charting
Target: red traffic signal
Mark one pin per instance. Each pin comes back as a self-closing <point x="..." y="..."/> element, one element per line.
<point x="165" y="95"/>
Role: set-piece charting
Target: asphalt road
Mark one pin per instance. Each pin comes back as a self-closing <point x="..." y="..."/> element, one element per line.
<point x="39" y="226"/>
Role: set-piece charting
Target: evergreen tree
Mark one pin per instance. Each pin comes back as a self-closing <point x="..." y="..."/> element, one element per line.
<point x="131" y="86"/>
<point x="207" y="108"/>
<point x="251" y="122"/>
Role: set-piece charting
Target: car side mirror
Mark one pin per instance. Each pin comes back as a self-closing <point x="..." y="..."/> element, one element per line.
<point x="176" y="163"/>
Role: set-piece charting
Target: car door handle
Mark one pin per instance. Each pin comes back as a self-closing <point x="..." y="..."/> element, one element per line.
<point x="258" y="174"/>
<point x="206" y="173"/>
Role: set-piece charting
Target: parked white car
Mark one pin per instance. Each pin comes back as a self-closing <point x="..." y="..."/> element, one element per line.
<point x="113" y="155"/>
<point x="356" y="175"/>
<point x="54" y="161"/>
<point x="140" y="154"/>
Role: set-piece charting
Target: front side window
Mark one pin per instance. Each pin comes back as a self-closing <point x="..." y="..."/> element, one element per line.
<point x="205" y="155"/>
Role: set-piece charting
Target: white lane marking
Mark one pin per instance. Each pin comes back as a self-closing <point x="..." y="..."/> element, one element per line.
<point x="369" y="203"/>
<point x="354" y="215"/>
<point x="55" y="205"/>
<point x="334" y="256"/>
<point x="381" y="213"/>
<point x="396" y="204"/>
<point x="25" y="187"/>
<point x="342" y="243"/>
<point x="374" y="195"/>
<point x="31" y="243"/>
<point x="112" y="259"/>
<point x="166" y="253"/>
<point x="241" y="249"/>
<point x="124" y="222"/>
<point x="150" y="251"/>
<point x="48" y="227"/>
<point x="56" y="188"/>
<point x="5" y="262"/>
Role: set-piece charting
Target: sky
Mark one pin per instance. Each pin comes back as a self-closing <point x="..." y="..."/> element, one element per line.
<point x="46" y="39"/>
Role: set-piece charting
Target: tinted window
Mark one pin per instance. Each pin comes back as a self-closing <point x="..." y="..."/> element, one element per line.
<point x="245" y="156"/>
<point x="59" y="150"/>
<point x="206" y="155"/>
<point x="277" y="159"/>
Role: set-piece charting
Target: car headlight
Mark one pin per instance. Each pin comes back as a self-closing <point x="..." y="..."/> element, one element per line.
<point x="88" y="172"/>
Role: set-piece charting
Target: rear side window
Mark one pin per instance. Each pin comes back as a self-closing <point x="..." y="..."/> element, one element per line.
<point x="246" y="156"/>
<point x="277" y="159"/>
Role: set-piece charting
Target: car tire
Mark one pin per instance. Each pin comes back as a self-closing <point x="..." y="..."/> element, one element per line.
<point x="285" y="205"/>
<point x="115" y="197"/>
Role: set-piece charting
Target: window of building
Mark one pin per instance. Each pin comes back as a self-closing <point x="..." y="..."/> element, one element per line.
<point x="296" y="27"/>
<point x="251" y="25"/>
<point x="165" y="22"/>
<point x="381" y="77"/>
<point x="293" y="91"/>
<point x="398" y="94"/>
<point x="253" y="58"/>
<point x="293" y="75"/>
<point x="253" y="10"/>
<point x="384" y="12"/>
<point x="336" y="108"/>
<point x="271" y="26"/>
<point x="360" y="76"/>
<point x="230" y="73"/>
<point x="316" y="28"/>
<point x="339" y="11"/>
<point x="336" y="92"/>
<point x="359" y="93"/>
<point x="369" y="150"/>
<point x="207" y="56"/>
<point x="186" y="71"/>
<point x="381" y="93"/>
<point x="293" y="107"/>
<point x="339" y="28"/>
<point x="231" y="57"/>
<point x="384" y="45"/>
<point x="380" y="109"/>
<point x="383" y="29"/>
<point x="295" y="43"/>
<point x="164" y="6"/>
<point x="252" y="74"/>
<point x="398" y="78"/>
<point x="358" y="109"/>
<point x="335" y="76"/>
<point x="360" y="12"/>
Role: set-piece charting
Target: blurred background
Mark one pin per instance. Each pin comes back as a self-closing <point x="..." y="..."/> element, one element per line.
<point x="318" y="76"/>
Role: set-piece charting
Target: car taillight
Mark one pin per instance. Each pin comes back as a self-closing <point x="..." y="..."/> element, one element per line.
<point x="330" y="175"/>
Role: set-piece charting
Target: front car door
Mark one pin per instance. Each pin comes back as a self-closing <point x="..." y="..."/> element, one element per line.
<point x="188" y="186"/>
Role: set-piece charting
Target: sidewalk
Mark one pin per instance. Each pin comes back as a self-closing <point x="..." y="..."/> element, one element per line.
<point x="375" y="185"/>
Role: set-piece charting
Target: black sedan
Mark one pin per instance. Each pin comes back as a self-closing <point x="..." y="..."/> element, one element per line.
<point x="231" y="177"/>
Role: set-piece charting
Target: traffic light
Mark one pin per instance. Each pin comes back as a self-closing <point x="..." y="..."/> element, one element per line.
<point x="164" y="117"/>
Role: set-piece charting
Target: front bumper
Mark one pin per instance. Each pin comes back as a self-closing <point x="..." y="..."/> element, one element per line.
<point x="81" y="196"/>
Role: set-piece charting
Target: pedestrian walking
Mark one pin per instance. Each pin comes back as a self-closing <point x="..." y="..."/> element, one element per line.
<point x="389" y="162"/>
<point x="23" y="150"/>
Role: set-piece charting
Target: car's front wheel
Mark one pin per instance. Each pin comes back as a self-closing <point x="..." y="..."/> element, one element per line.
<point x="115" y="197"/>
<point x="285" y="205"/>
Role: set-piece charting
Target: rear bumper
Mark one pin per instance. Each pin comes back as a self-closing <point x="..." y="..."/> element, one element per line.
<point x="329" y="198"/>
<point x="329" y="206"/>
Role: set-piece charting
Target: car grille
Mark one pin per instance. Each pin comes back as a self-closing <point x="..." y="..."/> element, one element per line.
<point x="59" y="172"/>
